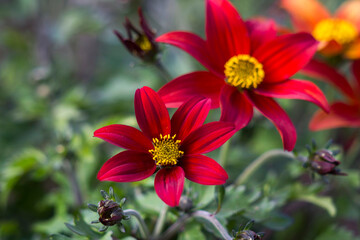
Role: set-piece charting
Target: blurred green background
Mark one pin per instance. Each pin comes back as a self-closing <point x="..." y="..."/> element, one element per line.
<point x="63" y="74"/>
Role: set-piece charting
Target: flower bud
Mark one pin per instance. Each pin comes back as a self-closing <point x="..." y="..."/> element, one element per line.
<point x="140" y="43"/>
<point x="186" y="204"/>
<point x="323" y="162"/>
<point x="247" y="235"/>
<point x="110" y="212"/>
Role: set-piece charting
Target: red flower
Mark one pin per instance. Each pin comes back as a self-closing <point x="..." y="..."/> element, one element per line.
<point x="338" y="33"/>
<point x="173" y="146"/>
<point x="341" y="114"/>
<point x="248" y="66"/>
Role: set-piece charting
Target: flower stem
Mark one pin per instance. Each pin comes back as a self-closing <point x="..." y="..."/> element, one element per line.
<point x="258" y="162"/>
<point x="224" y="153"/>
<point x="173" y="229"/>
<point x="165" y="74"/>
<point x="211" y="218"/>
<point x="144" y="231"/>
<point x="160" y="222"/>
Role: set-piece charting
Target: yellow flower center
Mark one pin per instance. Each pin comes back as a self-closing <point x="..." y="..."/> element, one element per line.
<point x="244" y="71"/>
<point x="339" y="30"/>
<point x="143" y="42"/>
<point x="166" y="150"/>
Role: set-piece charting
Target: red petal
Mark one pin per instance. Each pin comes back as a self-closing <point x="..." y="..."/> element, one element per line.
<point x="192" y="44"/>
<point x="225" y="31"/>
<point x="260" y="31"/>
<point x="305" y="13"/>
<point x="270" y="109"/>
<point x="169" y="184"/>
<point x="356" y="71"/>
<point x="195" y="84"/>
<point x="189" y="117"/>
<point x="328" y="74"/>
<point x="208" y="137"/>
<point x="235" y="107"/>
<point x="127" y="166"/>
<point x="285" y="55"/>
<point x="295" y="89"/>
<point x="340" y="115"/>
<point x="203" y="170"/>
<point x="151" y="113"/>
<point x="125" y="137"/>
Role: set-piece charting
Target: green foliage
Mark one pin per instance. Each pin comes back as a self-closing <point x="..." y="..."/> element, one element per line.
<point x="63" y="74"/>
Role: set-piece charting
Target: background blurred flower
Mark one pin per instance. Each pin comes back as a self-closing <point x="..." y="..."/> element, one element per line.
<point x="342" y="113"/>
<point x="338" y="33"/>
<point x="248" y="66"/>
<point x="140" y="43"/>
<point x="174" y="146"/>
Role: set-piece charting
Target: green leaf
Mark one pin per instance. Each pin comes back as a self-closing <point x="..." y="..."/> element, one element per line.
<point x="92" y="207"/>
<point x="59" y="237"/>
<point x="278" y="221"/>
<point x="82" y="228"/>
<point x="111" y="192"/>
<point x="192" y="231"/>
<point x="323" y="202"/>
<point x="75" y="229"/>
<point x="336" y="233"/>
<point x="235" y="202"/>
<point x="104" y="194"/>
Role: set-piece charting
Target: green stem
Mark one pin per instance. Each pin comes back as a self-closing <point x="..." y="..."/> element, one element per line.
<point x="160" y="222"/>
<point x="175" y="228"/>
<point x="224" y="153"/>
<point x="144" y="231"/>
<point x="211" y="218"/>
<point x="179" y="224"/>
<point x="165" y="74"/>
<point x="258" y="162"/>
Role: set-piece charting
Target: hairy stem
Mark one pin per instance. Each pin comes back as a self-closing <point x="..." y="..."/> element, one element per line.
<point x="160" y="222"/>
<point x="224" y="153"/>
<point x="144" y="231"/>
<point x="211" y="218"/>
<point x="258" y="162"/>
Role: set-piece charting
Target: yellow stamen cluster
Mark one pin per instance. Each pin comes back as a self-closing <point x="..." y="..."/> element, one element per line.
<point x="144" y="43"/>
<point x="339" y="30"/>
<point x="166" y="150"/>
<point x="244" y="71"/>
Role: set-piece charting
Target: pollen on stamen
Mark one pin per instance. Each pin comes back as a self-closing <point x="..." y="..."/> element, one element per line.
<point x="144" y="43"/>
<point x="244" y="71"/>
<point x="166" y="150"/>
<point x="340" y="30"/>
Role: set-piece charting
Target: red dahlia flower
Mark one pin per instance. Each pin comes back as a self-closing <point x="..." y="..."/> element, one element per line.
<point x="342" y="113"/>
<point x="248" y="66"/>
<point x="172" y="146"/>
<point x="338" y="33"/>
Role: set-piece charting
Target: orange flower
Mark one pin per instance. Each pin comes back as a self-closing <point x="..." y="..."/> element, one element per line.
<point x="338" y="33"/>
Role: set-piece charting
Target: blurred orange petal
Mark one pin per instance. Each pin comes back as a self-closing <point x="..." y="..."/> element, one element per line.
<point x="353" y="51"/>
<point x="330" y="48"/>
<point x="305" y="13"/>
<point x="350" y="11"/>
